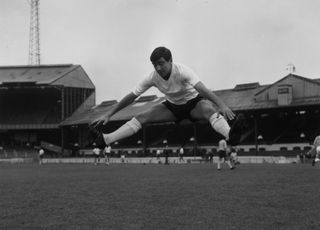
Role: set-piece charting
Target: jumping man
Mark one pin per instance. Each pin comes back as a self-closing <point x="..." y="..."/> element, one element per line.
<point x="186" y="98"/>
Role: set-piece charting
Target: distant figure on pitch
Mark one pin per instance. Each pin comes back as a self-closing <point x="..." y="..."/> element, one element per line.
<point x="40" y="156"/>
<point x="210" y="156"/>
<point x="186" y="97"/>
<point x="234" y="157"/>
<point x="107" y="153"/>
<point x="315" y="150"/>
<point x="166" y="152"/>
<point x="222" y="152"/>
<point x="123" y="157"/>
<point x="158" y="155"/>
<point x="181" y="153"/>
<point x="96" y="153"/>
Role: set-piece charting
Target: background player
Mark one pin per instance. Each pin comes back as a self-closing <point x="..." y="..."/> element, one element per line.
<point x="158" y="155"/>
<point x="107" y="153"/>
<point x="234" y="157"/>
<point x="222" y="152"/>
<point x="96" y="153"/>
<point x="181" y="153"/>
<point x="40" y="155"/>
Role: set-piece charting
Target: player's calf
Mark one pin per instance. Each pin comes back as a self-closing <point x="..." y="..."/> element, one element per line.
<point x="237" y="129"/>
<point x="232" y="134"/>
<point x="97" y="137"/>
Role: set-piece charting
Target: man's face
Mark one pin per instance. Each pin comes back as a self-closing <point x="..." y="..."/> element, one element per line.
<point x="163" y="67"/>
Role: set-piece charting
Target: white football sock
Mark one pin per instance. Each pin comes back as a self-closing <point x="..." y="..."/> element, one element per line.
<point x="129" y="128"/>
<point x="219" y="124"/>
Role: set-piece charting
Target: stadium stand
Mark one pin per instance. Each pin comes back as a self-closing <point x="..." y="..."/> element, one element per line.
<point x="279" y="112"/>
<point x="53" y="105"/>
<point x="35" y="99"/>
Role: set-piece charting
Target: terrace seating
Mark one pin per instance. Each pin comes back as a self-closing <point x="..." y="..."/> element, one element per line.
<point x="19" y="152"/>
<point x="37" y="113"/>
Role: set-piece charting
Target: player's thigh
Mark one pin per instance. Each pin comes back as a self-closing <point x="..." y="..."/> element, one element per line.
<point x="203" y="110"/>
<point x="157" y="113"/>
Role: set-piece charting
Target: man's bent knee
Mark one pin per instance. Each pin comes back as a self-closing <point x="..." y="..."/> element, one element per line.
<point x="204" y="109"/>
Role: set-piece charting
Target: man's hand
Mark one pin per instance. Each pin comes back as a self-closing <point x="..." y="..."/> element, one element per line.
<point x="124" y="102"/>
<point x="104" y="119"/>
<point x="227" y="113"/>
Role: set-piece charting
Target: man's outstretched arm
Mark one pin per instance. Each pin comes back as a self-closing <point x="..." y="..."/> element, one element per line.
<point x="124" y="102"/>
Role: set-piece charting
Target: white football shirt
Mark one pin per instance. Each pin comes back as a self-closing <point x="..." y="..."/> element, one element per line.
<point x="107" y="149"/>
<point x="222" y="145"/>
<point x="96" y="151"/>
<point x="178" y="89"/>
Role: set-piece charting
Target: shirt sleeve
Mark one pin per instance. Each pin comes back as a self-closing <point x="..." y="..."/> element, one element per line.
<point x="190" y="76"/>
<point x="143" y="85"/>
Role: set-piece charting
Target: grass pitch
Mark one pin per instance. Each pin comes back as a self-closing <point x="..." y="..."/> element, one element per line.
<point x="136" y="196"/>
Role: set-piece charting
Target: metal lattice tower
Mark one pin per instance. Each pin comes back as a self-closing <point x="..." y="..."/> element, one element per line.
<point x="34" y="38"/>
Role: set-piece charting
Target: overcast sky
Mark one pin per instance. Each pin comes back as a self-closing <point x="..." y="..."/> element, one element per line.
<point x="227" y="42"/>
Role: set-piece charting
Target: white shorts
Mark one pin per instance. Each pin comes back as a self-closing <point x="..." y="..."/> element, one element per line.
<point x="318" y="149"/>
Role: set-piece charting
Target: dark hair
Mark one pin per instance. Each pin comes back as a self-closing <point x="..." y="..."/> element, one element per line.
<point x="160" y="52"/>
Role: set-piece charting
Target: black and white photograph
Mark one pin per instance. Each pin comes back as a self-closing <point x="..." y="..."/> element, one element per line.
<point x="160" y="114"/>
